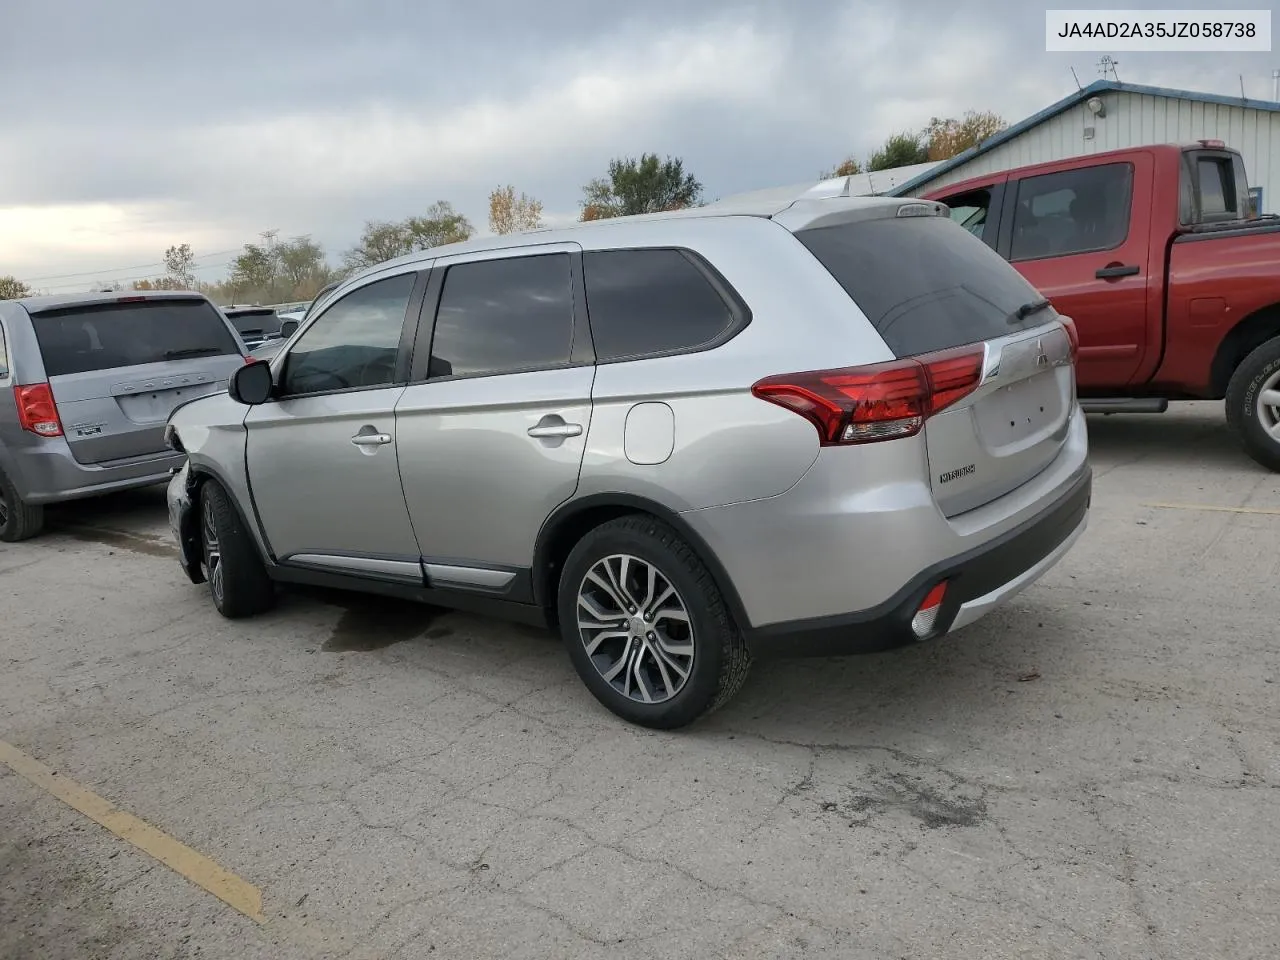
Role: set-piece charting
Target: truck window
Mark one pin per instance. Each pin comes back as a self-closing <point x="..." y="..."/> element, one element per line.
<point x="970" y="210"/>
<point x="1217" y="186"/>
<point x="1074" y="211"/>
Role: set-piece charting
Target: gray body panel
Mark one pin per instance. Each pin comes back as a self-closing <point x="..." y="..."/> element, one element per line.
<point x="113" y="419"/>
<point x="461" y="493"/>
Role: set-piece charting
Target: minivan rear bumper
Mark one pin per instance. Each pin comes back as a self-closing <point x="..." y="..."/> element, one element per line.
<point x="48" y="473"/>
<point x="977" y="582"/>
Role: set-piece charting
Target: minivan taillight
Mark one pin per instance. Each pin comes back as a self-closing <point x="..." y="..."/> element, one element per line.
<point x="36" y="410"/>
<point x="880" y="401"/>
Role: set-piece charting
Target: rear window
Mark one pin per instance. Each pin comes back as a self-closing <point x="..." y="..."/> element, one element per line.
<point x="100" y="337"/>
<point x="924" y="283"/>
<point x="255" y="321"/>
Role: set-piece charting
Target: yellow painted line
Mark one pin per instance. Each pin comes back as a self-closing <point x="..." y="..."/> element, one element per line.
<point x="1211" y="507"/>
<point x="226" y="886"/>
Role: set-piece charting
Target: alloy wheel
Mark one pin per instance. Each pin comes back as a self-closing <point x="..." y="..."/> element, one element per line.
<point x="212" y="552"/>
<point x="636" y="628"/>
<point x="4" y="509"/>
<point x="1269" y="405"/>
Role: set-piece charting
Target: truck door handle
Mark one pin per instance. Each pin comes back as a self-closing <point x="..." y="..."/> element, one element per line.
<point x="371" y="439"/>
<point x="1118" y="270"/>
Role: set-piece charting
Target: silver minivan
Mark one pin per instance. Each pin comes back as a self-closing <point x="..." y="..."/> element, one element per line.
<point x="794" y="426"/>
<point x="87" y="382"/>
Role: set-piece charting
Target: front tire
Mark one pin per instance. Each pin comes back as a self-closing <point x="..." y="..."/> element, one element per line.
<point x="1253" y="404"/>
<point x="232" y="566"/>
<point x="18" y="520"/>
<point x="646" y="626"/>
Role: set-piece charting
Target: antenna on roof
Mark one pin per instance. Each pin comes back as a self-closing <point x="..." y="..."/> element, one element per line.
<point x="1242" y="96"/>
<point x="1079" y="85"/>
<point x="1108" y="65"/>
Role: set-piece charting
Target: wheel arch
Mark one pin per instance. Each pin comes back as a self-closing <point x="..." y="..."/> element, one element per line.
<point x="1241" y="340"/>
<point x="201" y="471"/>
<point x="574" y="519"/>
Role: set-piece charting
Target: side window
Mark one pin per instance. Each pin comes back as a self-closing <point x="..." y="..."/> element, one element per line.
<point x="970" y="210"/>
<point x="503" y="316"/>
<point x="647" y="302"/>
<point x="1217" y="187"/>
<point x="4" y="355"/>
<point x="354" y="343"/>
<point x="1075" y="211"/>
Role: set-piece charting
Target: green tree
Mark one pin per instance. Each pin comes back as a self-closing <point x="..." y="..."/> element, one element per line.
<point x="253" y="272"/>
<point x="900" y="150"/>
<point x="301" y="267"/>
<point x="439" y="226"/>
<point x="179" y="267"/>
<point x="11" y="288"/>
<point x="383" y="240"/>
<point x="511" y="214"/>
<point x="646" y="185"/>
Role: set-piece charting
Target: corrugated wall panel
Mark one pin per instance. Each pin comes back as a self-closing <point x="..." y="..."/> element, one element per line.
<point x="1136" y="120"/>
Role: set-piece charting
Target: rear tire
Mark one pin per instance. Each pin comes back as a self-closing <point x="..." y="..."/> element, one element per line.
<point x="684" y="661"/>
<point x="1254" y="420"/>
<point x="18" y="520"/>
<point x="232" y="566"/>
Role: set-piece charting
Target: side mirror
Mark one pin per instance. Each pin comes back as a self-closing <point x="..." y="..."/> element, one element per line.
<point x="288" y="328"/>
<point x="252" y="384"/>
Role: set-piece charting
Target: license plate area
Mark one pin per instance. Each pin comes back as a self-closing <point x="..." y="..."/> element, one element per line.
<point x="1022" y="412"/>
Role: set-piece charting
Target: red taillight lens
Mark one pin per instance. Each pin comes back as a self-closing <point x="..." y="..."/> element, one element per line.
<point x="882" y="401"/>
<point x="36" y="410"/>
<point x="1073" y="335"/>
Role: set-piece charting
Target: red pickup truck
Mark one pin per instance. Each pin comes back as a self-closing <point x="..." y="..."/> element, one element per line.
<point x="1172" y="279"/>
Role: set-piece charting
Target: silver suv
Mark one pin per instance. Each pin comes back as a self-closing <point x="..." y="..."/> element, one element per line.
<point x="87" y="382"/>
<point x="799" y="427"/>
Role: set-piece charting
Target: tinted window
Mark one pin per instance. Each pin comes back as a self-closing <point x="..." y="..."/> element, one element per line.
<point x="354" y="343"/>
<point x="4" y="356"/>
<point x="100" y="337"/>
<point x="1075" y="211"/>
<point x="499" y="316"/>
<point x="650" y="301"/>
<point x="924" y="283"/>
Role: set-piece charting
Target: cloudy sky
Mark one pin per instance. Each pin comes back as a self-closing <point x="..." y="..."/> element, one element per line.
<point x="130" y="125"/>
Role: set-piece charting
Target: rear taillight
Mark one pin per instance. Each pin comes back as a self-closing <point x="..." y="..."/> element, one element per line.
<point x="1073" y="335"/>
<point x="881" y="401"/>
<point x="36" y="410"/>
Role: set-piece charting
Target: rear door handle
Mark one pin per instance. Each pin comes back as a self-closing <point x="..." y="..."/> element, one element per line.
<point x="544" y="430"/>
<point x="1110" y="273"/>
<point x="371" y="439"/>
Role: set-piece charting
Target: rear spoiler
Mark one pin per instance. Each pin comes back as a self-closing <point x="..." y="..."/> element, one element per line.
<point x="58" y="305"/>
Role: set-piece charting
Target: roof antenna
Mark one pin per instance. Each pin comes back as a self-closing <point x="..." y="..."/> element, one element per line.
<point x="1079" y="85"/>
<point x="1108" y="65"/>
<point x="1242" y="96"/>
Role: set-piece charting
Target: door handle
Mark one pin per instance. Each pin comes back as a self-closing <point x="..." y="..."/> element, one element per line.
<point x="544" y="430"/>
<point x="1120" y="270"/>
<point x="371" y="439"/>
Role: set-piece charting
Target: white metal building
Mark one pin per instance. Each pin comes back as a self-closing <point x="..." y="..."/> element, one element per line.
<point x="1109" y="115"/>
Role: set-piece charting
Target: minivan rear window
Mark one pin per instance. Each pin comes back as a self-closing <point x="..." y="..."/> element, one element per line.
<point x="924" y="283"/>
<point x="255" y="321"/>
<point x="103" y="336"/>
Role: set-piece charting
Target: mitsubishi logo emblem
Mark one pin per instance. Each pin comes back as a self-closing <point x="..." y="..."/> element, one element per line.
<point x="1042" y="358"/>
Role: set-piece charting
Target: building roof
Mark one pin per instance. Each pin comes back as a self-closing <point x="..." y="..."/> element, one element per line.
<point x="1066" y="103"/>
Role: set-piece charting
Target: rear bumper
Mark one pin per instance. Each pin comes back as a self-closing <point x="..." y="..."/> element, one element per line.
<point x="977" y="582"/>
<point x="48" y="473"/>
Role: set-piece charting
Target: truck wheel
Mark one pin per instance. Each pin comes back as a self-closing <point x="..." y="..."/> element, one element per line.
<point x="18" y="520"/>
<point x="1253" y="404"/>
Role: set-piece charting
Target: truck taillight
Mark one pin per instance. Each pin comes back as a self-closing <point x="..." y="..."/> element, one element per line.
<point x="880" y="401"/>
<point x="37" y="411"/>
<point x="1073" y="335"/>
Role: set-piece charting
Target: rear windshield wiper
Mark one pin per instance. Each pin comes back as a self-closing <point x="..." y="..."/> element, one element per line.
<point x="1027" y="309"/>
<point x="191" y="352"/>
